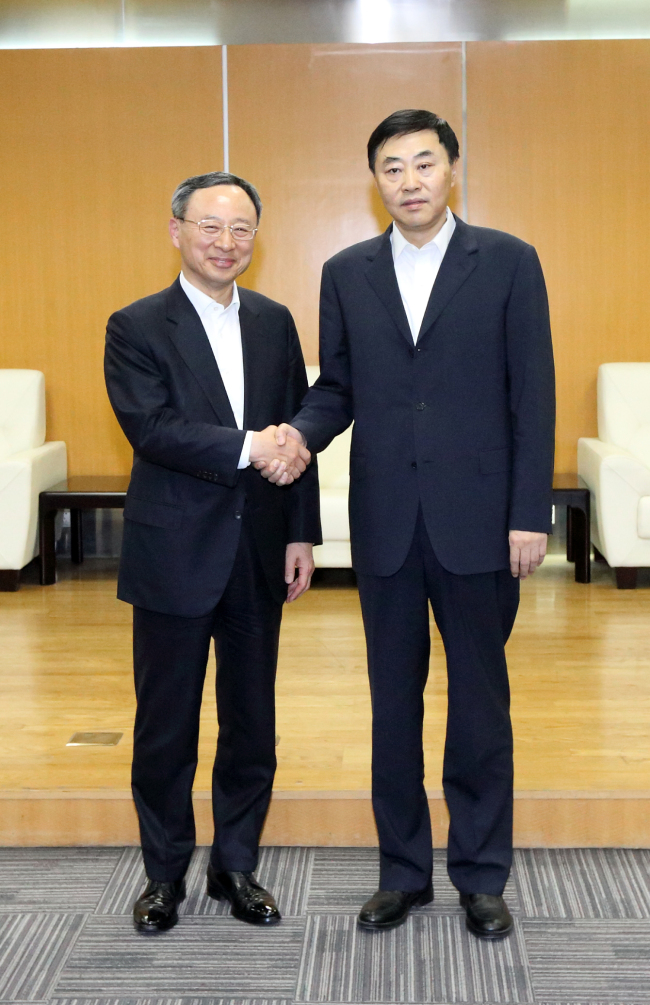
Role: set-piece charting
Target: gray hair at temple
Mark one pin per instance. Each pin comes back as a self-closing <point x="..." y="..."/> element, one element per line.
<point x="184" y="192"/>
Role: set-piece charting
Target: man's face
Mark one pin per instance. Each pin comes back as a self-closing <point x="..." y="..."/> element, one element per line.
<point x="212" y="263"/>
<point x="414" y="178"/>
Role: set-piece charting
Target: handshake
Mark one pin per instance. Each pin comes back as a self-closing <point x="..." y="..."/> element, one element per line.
<point x="279" y="454"/>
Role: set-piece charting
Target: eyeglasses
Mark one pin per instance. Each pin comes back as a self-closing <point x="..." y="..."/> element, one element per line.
<point x="213" y="229"/>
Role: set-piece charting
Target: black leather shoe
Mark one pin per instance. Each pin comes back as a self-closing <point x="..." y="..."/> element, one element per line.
<point x="390" y="908"/>
<point x="155" y="910"/>
<point x="487" y="916"/>
<point x="248" y="900"/>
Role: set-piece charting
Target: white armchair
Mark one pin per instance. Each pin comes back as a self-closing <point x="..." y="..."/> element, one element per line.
<point x="616" y="467"/>
<point x="27" y="466"/>
<point x="334" y="478"/>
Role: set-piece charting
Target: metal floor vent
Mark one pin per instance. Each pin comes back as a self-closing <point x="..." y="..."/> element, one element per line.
<point x="94" y="739"/>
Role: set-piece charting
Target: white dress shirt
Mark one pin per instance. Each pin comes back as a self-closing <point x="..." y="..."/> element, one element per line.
<point x="416" y="269"/>
<point x="224" y="335"/>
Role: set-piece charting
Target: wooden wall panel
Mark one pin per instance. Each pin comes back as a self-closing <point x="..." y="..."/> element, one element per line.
<point x="92" y="144"/>
<point x="558" y="153"/>
<point x="300" y="118"/>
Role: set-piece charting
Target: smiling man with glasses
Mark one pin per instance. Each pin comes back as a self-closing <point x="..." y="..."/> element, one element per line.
<point x="200" y="376"/>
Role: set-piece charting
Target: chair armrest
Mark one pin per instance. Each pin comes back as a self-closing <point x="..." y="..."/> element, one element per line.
<point x="22" y="477"/>
<point x="49" y="463"/>
<point x="617" y="480"/>
<point x="597" y="458"/>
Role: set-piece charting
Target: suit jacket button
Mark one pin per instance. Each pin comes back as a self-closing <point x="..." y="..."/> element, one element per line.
<point x="237" y="515"/>
<point x="420" y="406"/>
<point x="414" y="464"/>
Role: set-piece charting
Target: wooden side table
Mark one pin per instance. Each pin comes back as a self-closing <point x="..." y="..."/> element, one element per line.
<point x="572" y="492"/>
<point x="76" y="494"/>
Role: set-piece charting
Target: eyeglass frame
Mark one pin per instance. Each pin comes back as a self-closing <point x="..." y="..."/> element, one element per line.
<point x="225" y="226"/>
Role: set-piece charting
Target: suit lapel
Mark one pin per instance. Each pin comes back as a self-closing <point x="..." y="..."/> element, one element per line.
<point x="459" y="262"/>
<point x="382" y="278"/>
<point x="252" y="340"/>
<point x="188" y="335"/>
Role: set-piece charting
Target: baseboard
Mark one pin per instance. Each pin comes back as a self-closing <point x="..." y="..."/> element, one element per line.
<point x="543" y="819"/>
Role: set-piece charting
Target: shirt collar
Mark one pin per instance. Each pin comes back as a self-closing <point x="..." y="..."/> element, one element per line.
<point x="440" y="241"/>
<point x="202" y="303"/>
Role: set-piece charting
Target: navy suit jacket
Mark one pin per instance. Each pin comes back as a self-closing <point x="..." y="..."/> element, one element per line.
<point x="461" y="423"/>
<point x="186" y="497"/>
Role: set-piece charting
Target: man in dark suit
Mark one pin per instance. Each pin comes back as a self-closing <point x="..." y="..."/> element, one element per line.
<point x="435" y="341"/>
<point x="210" y="549"/>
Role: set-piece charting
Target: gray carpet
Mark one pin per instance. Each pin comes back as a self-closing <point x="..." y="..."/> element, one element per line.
<point x="582" y="934"/>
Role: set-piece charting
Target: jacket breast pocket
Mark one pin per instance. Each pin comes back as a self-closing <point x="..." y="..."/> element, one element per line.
<point x="491" y="462"/>
<point x="154" y="514"/>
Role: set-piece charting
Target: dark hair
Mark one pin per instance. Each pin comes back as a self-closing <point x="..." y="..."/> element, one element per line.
<point x="184" y="191"/>
<point x="412" y="120"/>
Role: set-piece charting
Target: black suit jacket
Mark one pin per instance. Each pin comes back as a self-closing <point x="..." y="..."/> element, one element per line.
<point x="462" y="423"/>
<point x="186" y="496"/>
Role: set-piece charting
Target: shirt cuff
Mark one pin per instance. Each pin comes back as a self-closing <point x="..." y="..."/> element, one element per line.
<point x="244" y="460"/>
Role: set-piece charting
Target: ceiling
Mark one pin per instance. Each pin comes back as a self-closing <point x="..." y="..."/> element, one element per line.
<point x="87" y="23"/>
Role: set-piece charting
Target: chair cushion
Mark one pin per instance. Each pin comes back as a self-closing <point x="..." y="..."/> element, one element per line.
<point x="22" y="411"/>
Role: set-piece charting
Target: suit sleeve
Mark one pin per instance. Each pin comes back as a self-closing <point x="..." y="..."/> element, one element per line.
<point x="303" y="496"/>
<point x="140" y="398"/>
<point x="327" y="408"/>
<point x="532" y="397"/>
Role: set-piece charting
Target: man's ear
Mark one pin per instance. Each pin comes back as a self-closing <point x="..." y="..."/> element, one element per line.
<point x="173" y="231"/>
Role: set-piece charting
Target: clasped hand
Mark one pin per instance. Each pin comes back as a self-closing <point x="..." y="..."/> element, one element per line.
<point x="279" y="454"/>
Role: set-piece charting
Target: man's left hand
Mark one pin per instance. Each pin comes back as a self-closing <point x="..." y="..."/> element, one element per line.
<point x="527" y="551"/>
<point x="299" y="555"/>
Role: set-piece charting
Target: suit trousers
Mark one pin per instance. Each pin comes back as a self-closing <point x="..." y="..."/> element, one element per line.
<point x="170" y="660"/>
<point x="475" y="615"/>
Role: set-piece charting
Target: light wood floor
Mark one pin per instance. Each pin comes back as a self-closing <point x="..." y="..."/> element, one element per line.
<point x="579" y="662"/>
